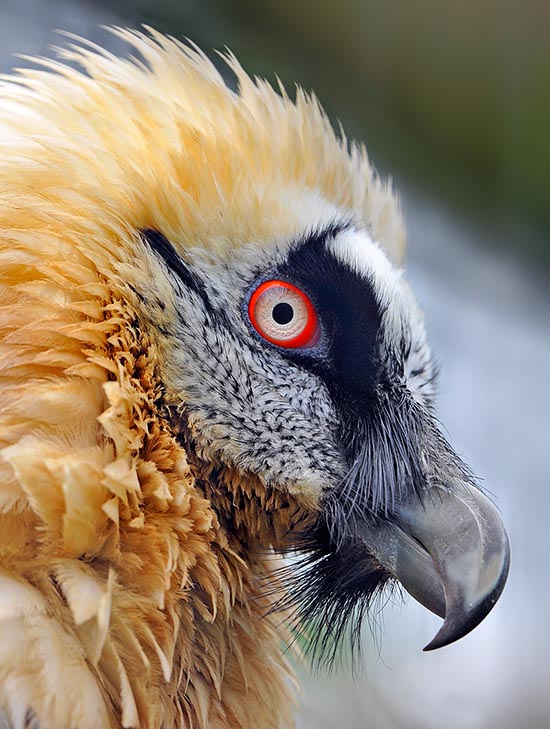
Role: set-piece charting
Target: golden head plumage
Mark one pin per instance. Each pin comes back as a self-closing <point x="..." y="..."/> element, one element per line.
<point x="136" y="524"/>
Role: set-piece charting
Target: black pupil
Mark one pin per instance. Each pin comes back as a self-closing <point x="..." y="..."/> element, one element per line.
<point x="282" y="313"/>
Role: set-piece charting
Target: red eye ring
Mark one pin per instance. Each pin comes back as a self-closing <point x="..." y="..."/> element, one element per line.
<point x="283" y="315"/>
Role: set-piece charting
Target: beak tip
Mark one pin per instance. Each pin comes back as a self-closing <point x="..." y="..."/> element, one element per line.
<point x="430" y="647"/>
<point x="444" y="637"/>
<point x="459" y="622"/>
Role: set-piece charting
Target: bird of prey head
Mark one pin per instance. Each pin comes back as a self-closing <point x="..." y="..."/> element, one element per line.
<point x="214" y="357"/>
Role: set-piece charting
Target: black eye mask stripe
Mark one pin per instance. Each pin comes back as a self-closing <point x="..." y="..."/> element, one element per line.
<point x="348" y="308"/>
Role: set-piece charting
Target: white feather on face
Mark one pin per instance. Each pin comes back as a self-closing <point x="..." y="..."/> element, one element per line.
<point x="402" y="320"/>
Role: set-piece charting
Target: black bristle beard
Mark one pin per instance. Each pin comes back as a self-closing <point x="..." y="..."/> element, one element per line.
<point x="329" y="591"/>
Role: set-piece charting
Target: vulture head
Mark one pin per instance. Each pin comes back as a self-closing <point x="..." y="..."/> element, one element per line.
<point x="217" y="430"/>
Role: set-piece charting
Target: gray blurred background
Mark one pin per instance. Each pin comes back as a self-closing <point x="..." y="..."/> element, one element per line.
<point x="453" y="100"/>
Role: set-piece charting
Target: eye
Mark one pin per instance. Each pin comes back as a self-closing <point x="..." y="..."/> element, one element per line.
<point x="283" y="315"/>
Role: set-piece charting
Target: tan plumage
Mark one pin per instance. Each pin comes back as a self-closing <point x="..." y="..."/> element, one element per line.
<point x="123" y="601"/>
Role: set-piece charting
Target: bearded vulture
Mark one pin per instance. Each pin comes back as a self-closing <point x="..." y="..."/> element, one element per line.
<point x="217" y="435"/>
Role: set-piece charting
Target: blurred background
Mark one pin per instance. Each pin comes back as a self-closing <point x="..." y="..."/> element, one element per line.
<point x="453" y="101"/>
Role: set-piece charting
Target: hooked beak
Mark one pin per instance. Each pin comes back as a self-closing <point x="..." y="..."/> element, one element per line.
<point x="449" y="550"/>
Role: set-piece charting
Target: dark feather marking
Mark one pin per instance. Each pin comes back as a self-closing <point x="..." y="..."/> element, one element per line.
<point x="163" y="248"/>
<point x="176" y="265"/>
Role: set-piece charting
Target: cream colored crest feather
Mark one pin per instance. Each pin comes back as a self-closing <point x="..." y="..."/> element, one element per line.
<point x="118" y="583"/>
